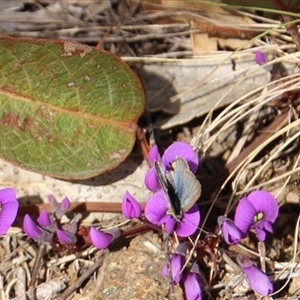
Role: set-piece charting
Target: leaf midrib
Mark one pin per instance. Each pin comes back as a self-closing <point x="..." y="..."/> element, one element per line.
<point x="79" y="114"/>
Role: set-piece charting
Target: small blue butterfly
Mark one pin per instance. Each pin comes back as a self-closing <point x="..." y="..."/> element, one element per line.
<point x="180" y="186"/>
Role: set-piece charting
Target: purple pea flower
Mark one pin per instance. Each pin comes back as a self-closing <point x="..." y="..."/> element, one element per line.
<point x="157" y="212"/>
<point x="231" y="233"/>
<point x="258" y="281"/>
<point x="31" y="229"/>
<point x="34" y="231"/>
<point x="176" y="264"/>
<point x="177" y="149"/>
<point x="68" y="234"/>
<point x="59" y="208"/>
<point x="47" y="226"/>
<point x="101" y="239"/>
<point x="130" y="207"/>
<point x="261" y="59"/>
<point x="9" y="208"/>
<point x="153" y="155"/>
<point x="257" y="212"/>
<point x="151" y="181"/>
<point x="192" y="284"/>
<point x="66" y="237"/>
<point x="44" y="219"/>
<point x="72" y="226"/>
<point x="46" y="222"/>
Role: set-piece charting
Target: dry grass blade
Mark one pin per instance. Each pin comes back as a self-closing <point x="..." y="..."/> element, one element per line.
<point x="78" y="283"/>
<point x="47" y="290"/>
<point x="37" y="263"/>
<point x="241" y="110"/>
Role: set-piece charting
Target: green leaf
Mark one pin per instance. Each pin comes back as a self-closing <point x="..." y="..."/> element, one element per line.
<point x="66" y="109"/>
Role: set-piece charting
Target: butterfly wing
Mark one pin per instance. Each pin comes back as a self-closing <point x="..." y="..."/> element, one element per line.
<point x="181" y="187"/>
<point x="167" y="187"/>
<point x="187" y="187"/>
<point x="167" y="183"/>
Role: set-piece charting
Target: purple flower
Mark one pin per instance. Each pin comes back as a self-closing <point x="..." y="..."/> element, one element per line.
<point x="31" y="229"/>
<point x="151" y="181"/>
<point x="47" y="225"/>
<point x="157" y="212"/>
<point x="153" y="155"/>
<point x="45" y="221"/>
<point x="65" y="237"/>
<point x="101" y="239"/>
<point x="176" y="264"/>
<point x="257" y="211"/>
<point x="68" y="234"/>
<point x="258" y="281"/>
<point x="71" y="227"/>
<point x="9" y="208"/>
<point x="177" y="149"/>
<point x="261" y="59"/>
<point x="59" y="209"/>
<point x="130" y="207"/>
<point x="231" y="234"/>
<point x="192" y="284"/>
<point x="34" y="231"/>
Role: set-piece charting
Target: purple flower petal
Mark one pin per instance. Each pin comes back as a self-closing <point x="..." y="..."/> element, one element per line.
<point x="34" y="231"/>
<point x="192" y="286"/>
<point x="9" y="208"/>
<point x="189" y="222"/>
<point x="261" y="234"/>
<point x="156" y="209"/>
<point x="100" y="239"/>
<point x="53" y="203"/>
<point x="258" y="281"/>
<point x="170" y="224"/>
<point x="244" y="215"/>
<point x="44" y="219"/>
<point x="71" y="227"/>
<point x="151" y="181"/>
<point x="31" y="229"/>
<point x="65" y="204"/>
<point x="264" y="225"/>
<point x="62" y="208"/>
<point x="153" y="154"/>
<point x="176" y="264"/>
<point x="231" y="234"/>
<point x="130" y="207"/>
<point x="264" y="202"/>
<point x="59" y="209"/>
<point x="260" y="58"/>
<point x="183" y="150"/>
<point x="66" y="237"/>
